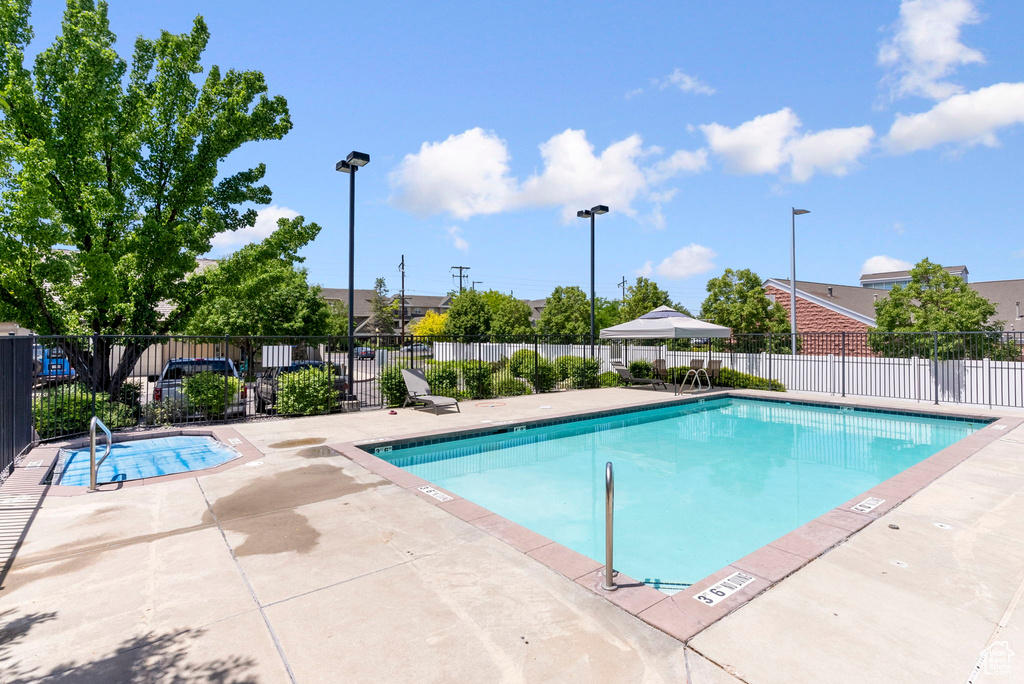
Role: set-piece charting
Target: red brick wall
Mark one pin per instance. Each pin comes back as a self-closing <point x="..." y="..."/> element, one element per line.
<point x="813" y="318"/>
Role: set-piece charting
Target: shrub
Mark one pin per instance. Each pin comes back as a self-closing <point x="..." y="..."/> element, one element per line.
<point x="392" y="386"/>
<point x="544" y="377"/>
<point x="67" y="410"/>
<point x="510" y="387"/>
<point x="209" y="393"/>
<point x="165" y="412"/>
<point x="306" y="392"/>
<point x="521" y="363"/>
<point x="477" y="377"/>
<point x="609" y="379"/>
<point x="564" y="365"/>
<point x="730" y="378"/>
<point x="641" y="369"/>
<point x="584" y="373"/>
<point x="130" y="393"/>
<point x="443" y="379"/>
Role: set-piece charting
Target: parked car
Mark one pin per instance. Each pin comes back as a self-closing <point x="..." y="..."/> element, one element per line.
<point x="50" y="365"/>
<point x="266" y="385"/>
<point x="416" y="348"/>
<point x="365" y="353"/>
<point x="168" y="385"/>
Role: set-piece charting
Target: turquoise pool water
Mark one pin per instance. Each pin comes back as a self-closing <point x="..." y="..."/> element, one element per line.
<point x="697" y="486"/>
<point x="143" y="458"/>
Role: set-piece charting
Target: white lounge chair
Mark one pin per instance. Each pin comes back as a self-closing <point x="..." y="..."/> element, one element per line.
<point x="418" y="392"/>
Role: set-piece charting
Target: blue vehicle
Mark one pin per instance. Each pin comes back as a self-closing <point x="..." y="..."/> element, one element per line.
<point x="51" y="365"/>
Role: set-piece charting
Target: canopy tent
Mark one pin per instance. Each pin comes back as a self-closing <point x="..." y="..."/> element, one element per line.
<point x="664" y="323"/>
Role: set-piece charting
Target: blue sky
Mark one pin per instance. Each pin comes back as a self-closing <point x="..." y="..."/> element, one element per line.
<point x="699" y="124"/>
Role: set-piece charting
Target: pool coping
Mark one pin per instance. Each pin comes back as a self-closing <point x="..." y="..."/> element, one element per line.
<point x="49" y="452"/>
<point x="680" y="615"/>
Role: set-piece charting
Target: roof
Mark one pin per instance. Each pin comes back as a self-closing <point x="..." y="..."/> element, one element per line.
<point x="361" y="299"/>
<point x="536" y="307"/>
<point x="425" y="301"/>
<point x="896" y="275"/>
<point x="1004" y="294"/>
<point x="853" y="298"/>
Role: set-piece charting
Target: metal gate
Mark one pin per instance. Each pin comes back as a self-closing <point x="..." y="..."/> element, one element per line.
<point x="15" y="399"/>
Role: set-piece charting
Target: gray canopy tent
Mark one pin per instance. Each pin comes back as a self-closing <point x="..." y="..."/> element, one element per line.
<point x="664" y="323"/>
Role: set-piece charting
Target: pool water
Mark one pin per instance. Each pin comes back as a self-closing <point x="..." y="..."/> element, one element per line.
<point x="143" y="458"/>
<point x="697" y="486"/>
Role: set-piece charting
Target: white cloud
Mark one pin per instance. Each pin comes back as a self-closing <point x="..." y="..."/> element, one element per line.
<point x="630" y="94"/>
<point x="884" y="264"/>
<point x="455" y="235"/>
<point x="685" y="83"/>
<point x="926" y="47"/>
<point x="468" y="174"/>
<point x="832" y="151"/>
<point x="647" y="270"/>
<point x="899" y="228"/>
<point x="766" y="143"/>
<point x="266" y="223"/>
<point x="683" y="263"/>
<point x="970" y="119"/>
<point x="465" y="175"/>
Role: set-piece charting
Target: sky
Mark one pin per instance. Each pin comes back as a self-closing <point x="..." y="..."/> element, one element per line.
<point x="896" y="124"/>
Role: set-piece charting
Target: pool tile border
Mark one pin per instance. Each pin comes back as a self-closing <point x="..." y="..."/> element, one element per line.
<point x="246" y="450"/>
<point x="680" y="615"/>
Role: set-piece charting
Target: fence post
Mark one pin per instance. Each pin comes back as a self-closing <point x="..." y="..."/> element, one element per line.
<point x="843" y="368"/>
<point x="986" y="380"/>
<point x="536" y="353"/>
<point x="227" y="361"/>
<point x="935" y="367"/>
<point x="95" y="369"/>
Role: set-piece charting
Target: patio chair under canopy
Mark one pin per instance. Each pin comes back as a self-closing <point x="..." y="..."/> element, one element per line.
<point x="664" y="323"/>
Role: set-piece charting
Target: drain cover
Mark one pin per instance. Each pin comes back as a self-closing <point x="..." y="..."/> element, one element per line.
<point x="253" y="464"/>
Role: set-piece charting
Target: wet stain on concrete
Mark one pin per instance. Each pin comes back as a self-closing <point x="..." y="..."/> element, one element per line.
<point x="279" y="532"/>
<point x="94" y="544"/>
<point x="288" y="489"/>
<point x="317" y="452"/>
<point x="293" y="443"/>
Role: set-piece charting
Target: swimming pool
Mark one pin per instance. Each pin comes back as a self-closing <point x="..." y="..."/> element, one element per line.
<point x="143" y="458"/>
<point x="698" y="485"/>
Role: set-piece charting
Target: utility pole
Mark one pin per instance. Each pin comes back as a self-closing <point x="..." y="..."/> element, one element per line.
<point x="623" y="286"/>
<point x="401" y="269"/>
<point x="462" y="277"/>
<point x="475" y="283"/>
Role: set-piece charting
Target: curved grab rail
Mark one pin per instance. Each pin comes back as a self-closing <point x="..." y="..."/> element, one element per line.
<point x="94" y="465"/>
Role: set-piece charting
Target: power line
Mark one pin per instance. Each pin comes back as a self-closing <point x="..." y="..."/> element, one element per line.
<point x="462" y="276"/>
<point x="623" y="286"/>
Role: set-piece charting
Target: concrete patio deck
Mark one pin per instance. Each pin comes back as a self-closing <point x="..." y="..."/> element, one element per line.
<point x="309" y="567"/>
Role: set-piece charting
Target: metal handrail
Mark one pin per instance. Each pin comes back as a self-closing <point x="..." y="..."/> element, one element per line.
<point x="94" y="466"/>
<point x="609" y="515"/>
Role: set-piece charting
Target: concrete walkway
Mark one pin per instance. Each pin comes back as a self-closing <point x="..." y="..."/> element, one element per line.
<point x="309" y="568"/>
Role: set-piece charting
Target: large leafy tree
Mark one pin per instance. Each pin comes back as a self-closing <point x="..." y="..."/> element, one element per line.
<point x="737" y="300"/>
<point x="511" y="317"/>
<point x="431" y="325"/>
<point x="382" y="309"/>
<point x="566" y="312"/>
<point x="607" y="312"/>
<point x="468" y="316"/>
<point x="643" y="297"/>
<point x="111" y="182"/>
<point x="935" y="301"/>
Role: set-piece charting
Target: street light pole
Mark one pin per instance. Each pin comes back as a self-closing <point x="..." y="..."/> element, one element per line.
<point x="792" y="277"/>
<point x="591" y="213"/>
<point x="350" y="165"/>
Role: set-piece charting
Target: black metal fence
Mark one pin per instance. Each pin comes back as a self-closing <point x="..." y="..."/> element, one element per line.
<point x="15" y="400"/>
<point x="142" y="381"/>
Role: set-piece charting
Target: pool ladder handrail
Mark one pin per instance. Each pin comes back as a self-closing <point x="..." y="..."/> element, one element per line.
<point x="693" y="377"/>
<point x="609" y="515"/>
<point x="94" y="465"/>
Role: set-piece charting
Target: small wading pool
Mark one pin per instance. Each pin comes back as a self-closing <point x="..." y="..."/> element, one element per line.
<point x="142" y="458"/>
<point x="697" y="485"/>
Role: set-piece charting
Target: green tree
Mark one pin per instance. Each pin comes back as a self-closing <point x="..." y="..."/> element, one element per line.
<point x="643" y="297"/>
<point x="468" y="315"/>
<point x="338" y="323"/>
<point x="607" y="312"/>
<point x="937" y="301"/>
<point x="737" y="300"/>
<point x="566" y="312"/>
<point x="382" y="309"/>
<point x="511" y="317"/>
<point x="121" y="163"/>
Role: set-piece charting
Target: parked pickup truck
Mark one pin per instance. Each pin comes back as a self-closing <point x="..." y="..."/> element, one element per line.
<point x="266" y="385"/>
<point x="168" y="383"/>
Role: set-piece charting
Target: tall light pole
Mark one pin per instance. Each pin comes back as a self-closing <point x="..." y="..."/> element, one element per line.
<point x="792" y="277"/>
<point x="590" y="214"/>
<point x="350" y="165"/>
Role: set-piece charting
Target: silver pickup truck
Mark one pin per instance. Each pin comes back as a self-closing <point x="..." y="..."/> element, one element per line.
<point x="167" y="385"/>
